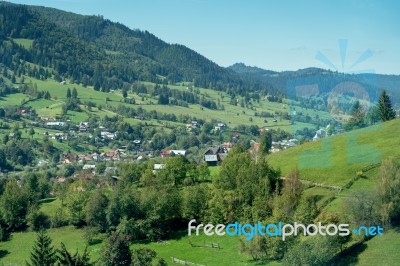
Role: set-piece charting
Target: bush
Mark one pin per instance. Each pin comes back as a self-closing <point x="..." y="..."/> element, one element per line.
<point x="37" y="220"/>
<point x="58" y="219"/>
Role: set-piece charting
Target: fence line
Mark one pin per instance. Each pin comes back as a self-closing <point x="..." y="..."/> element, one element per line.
<point x="185" y="262"/>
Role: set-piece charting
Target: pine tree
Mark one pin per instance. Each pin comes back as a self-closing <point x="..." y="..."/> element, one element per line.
<point x="124" y="93"/>
<point x="116" y="251"/>
<point x="385" y="107"/>
<point x="66" y="258"/>
<point x="265" y="142"/>
<point x="43" y="253"/>
<point x="68" y="93"/>
<point x="74" y="94"/>
<point x="357" y="117"/>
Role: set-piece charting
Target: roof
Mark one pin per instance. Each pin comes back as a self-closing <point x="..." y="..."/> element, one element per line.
<point x="210" y="158"/>
<point x="88" y="166"/>
<point x="212" y="150"/>
<point x="159" y="166"/>
<point x="179" y="152"/>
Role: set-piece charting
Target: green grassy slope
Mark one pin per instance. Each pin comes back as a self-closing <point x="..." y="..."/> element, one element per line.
<point x="336" y="160"/>
<point x="231" y="115"/>
<point x="18" y="248"/>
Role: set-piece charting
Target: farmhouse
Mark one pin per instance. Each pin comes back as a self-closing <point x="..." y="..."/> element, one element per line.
<point x="220" y="126"/>
<point x="157" y="167"/>
<point x="89" y="166"/>
<point x="111" y="155"/>
<point x="321" y="133"/>
<point x="168" y="153"/>
<point x="214" y="155"/>
<point x="69" y="158"/>
<point x="55" y="124"/>
<point x="108" y="135"/>
<point x="83" y="126"/>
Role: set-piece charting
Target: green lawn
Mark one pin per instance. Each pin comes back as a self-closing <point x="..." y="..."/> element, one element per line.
<point x="26" y="43"/>
<point x="232" y="115"/>
<point x="180" y="248"/>
<point x="13" y="99"/>
<point x="17" y="250"/>
<point x="380" y="250"/>
<point x="336" y="160"/>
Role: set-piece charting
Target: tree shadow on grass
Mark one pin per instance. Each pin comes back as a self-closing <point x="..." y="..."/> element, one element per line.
<point x="350" y="256"/>
<point x="3" y="253"/>
<point x="46" y="200"/>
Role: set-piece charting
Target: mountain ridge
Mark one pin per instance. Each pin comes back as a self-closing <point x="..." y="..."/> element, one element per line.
<point x="108" y="55"/>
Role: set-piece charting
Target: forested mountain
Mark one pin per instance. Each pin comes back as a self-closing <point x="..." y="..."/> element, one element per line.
<point x="327" y="80"/>
<point x="95" y="51"/>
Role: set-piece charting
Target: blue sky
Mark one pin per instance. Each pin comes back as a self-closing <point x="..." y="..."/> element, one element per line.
<point x="276" y="35"/>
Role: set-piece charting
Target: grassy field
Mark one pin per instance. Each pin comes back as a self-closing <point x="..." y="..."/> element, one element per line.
<point x="336" y="160"/>
<point x="180" y="248"/>
<point x="382" y="251"/>
<point x="26" y="43"/>
<point x="12" y="99"/>
<point x="232" y="115"/>
<point x="17" y="250"/>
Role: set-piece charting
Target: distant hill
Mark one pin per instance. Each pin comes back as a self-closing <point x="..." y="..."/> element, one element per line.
<point x="325" y="79"/>
<point x="95" y="51"/>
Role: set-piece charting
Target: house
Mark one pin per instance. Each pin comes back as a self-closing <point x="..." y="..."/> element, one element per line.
<point x="83" y="126"/>
<point x="235" y="135"/>
<point x="165" y="154"/>
<point x="320" y="133"/>
<point x="111" y="155"/>
<point x="178" y="152"/>
<point x="108" y="135"/>
<point x="214" y="155"/>
<point x="55" y="124"/>
<point x="190" y="127"/>
<point x="69" y="158"/>
<point x="89" y="166"/>
<point x="60" y="136"/>
<point x="168" y="153"/>
<point x="227" y="146"/>
<point x="211" y="159"/>
<point x="219" y="126"/>
<point x="158" y="166"/>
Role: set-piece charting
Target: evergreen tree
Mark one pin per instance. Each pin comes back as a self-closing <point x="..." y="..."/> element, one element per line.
<point x="124" y="93"/>
<point x="68" y="93"/>
<point x="74" y="94"/>
<point x="116" y="251"/>
<point x="357" y="117"/>
<point x="43" y="253"/>
<point x="265" y="142"/>
<point x="385" y="107"/>
<point x="67" y="259"/>
<point x="31" y="132"/>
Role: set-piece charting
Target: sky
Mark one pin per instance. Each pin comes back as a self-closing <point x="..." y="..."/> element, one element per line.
<point x="343" y="35"/>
